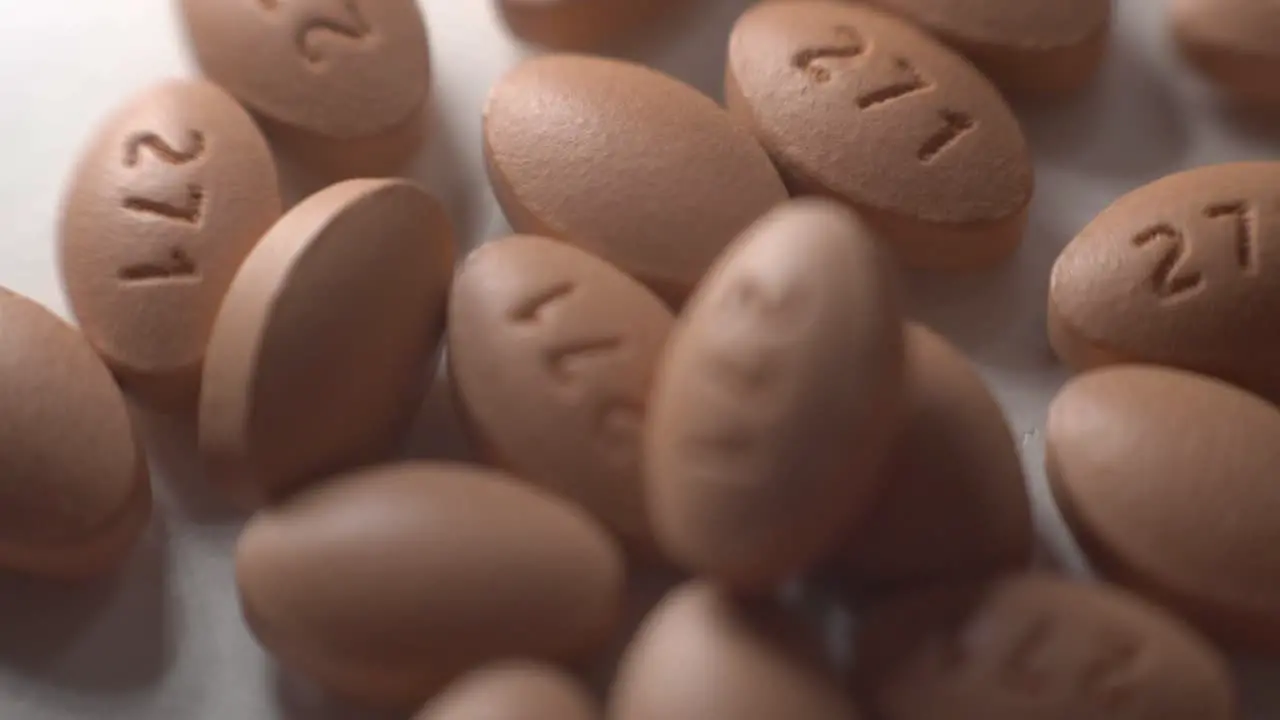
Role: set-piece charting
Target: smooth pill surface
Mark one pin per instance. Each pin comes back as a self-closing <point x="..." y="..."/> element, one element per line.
<point x="322" y="347"/>
<point x="1233" y="42"/>
<point x="1037" y="648"/>
<point x="853" y="103"/>
<point x="1036" y="47"/>
<point x="701" y="655"/>
<point x="776" y="398"/>
<point x="513" y="690"/>
<point x="582" y="24"/>
<point x="625" y="162"/>
<point x="1169" y="481"/>
<point x="954" y="504"/>
<point x="168" y="197"/>
<point x="74" y="488"/>
<point x="388" y="583"/>
<point x="552" y="353"/>
<point x="1182" y="272"/>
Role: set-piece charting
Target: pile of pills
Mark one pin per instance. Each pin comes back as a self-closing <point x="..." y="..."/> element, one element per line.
<point x="690" y="361"/>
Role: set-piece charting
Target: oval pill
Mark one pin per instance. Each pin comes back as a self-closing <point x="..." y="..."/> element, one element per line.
<point x="1233" y="43"/>
<point x="168" y="197"/>
<point x="858" y="105"/>
<point x="582" y="24"/>
<point x="625" y="162"/>
<point x="388" y="583"/>
<point x="1036" y="647"/>
<point x="776" y="398"/>
<point x="1181" y="272"/>
<point x="1167" y="480"/>
<point x="513" y="690"/>
<point x="552" y="353"/>
<point x="75" y="493"/>
<point x="322" y="347"/>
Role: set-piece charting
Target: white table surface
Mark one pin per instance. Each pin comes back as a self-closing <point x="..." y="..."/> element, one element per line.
<point x="163" y="640"/>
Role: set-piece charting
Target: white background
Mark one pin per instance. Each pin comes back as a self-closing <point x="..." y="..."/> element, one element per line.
<point x="164" y="640"/>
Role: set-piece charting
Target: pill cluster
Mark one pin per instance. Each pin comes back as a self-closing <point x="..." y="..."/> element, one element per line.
<point x="691" y="360"/>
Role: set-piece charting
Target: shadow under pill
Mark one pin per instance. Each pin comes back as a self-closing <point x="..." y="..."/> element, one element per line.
<point x="438" y="431"/>
<point x="694" y="46"/>
<point x="298" y="698"/>
<point x="176" y="468"/>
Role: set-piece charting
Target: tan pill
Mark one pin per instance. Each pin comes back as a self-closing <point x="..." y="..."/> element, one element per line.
<point x="1168" y="481"/>
<point x="701" y="654"/>
<point x="1034" y="47"/>
<point x="625" y="162"/>
<point x="858" y="105"/>
<point x="552" y="353"/>
<point x="1037" y="648"/>
<point x="388" y="583"/>
<point x="582" y="24"/>
<point x="513" y="690"/>
<point x="1233" y="43"/>
<point x="74" y="488"/>
<point x="323" y="344"/>
<point x="168" y="197"/>
<point x="1181" y="272"/>
<point x="776" y="398"/>
<point x="954" y="505"/>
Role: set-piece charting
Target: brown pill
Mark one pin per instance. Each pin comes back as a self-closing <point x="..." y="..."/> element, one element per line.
<point x="388" y="583"/>
<point x="858" y="105"/>
<point x="627" y="163"/>
<point x="702" y="655"/>
<point x="954" y="505"/>
<point x="1181" y="272"/>
<point x="168" y="197"/>
<point x="776" y="399"/>
<point x="1037" y="648"/>
<point x="1233" y="42"/>
<point x="323" y="344"/>
<point x="1033" y="47"/>
<point x="74" y="489"/>
<point x="1168" y="480"/>
<point x="582" y="24"/>
<point x="513" y="690"/>
<point x="552" y="352"/>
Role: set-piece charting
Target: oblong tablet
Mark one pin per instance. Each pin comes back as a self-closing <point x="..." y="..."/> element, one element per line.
<point x="552" y="353"/>
<point x="625" y="162"/>
<point x="322" y="346"/>
<point x="388" y="583"/>
<point x="776" y="398"/>
<point x="1233" y="43"/>
<point x="513" y="690"/>
<point x="581" y="24"/>
<point x="856" y="104"/>
<point x="1184" y="272"/>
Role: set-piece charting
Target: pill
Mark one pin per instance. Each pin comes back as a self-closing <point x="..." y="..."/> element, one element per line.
<point x="1232" y="42"/>
<point x="625" y="162"/>
<point x="954" y="504"/>
<point x="776" y="398"/>
<point x="858" y="105"/>
<point x="1036" y="647"/>
<point x="388" y="583"/>
<point x="1041" y="48"/>
<point x="582" y="24"/>
<point x="1179" y="272"/>
<point x="167" y="199"/>
<point x="73" y="478"/>
<point x="552" y="353"/>
<point x="346" y="79"/>
<point x="700" y="654"/>
<point x="513" y="690"/>
<point x="1167" y="480"/>
<point x="322" y="348"/>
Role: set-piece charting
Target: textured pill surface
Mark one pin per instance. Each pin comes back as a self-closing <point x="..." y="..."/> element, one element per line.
<point x="856" y="104"/>
<point x="1169" y="481"/>
<point x="552" y="353"/>
<point x="1037" y="648"/>
<point x="388" y="583"/>
<point x="954" y="504"/>
<point x="74" y="487"/>
<point x="625" y="162"/>
<point x="582" y="24"/>
<point x="701" y="655"/>
<point x="513" y="690"/>
<point x="1233" y="42"/>
<point x="168" y="197"/>
<point x="322" y="346"/>
<point x="776" y="398"/>
<point x="1184" y="272"/>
